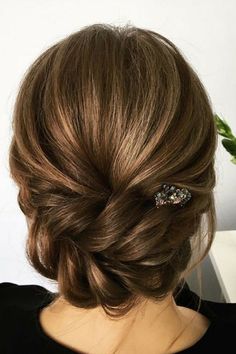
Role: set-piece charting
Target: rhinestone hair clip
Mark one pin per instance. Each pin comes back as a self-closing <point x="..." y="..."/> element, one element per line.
<point x="171" y="194"/>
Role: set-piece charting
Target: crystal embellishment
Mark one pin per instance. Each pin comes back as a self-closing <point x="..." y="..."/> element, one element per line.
<point x="172" y="195"/>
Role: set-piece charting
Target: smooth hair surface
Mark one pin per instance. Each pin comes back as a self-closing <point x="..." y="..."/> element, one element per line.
<point x="102" y="119"/>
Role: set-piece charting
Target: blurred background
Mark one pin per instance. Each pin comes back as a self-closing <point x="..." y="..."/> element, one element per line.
<point x="203" y="30"/>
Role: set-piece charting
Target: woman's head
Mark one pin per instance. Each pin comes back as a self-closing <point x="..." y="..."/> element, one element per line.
<point x="103" y="118"/>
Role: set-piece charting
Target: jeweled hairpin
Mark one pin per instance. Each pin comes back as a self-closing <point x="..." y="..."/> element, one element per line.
<point x="171" y="194"/>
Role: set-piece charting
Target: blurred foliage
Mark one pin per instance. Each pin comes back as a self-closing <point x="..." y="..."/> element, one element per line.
<point x="229" y="141"/>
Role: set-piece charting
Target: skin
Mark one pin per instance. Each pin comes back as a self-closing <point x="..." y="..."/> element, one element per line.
<point x="156" y="327"/>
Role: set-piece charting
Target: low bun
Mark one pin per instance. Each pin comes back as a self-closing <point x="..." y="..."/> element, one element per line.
<point x="100" y="122"/>
<point x="101" y="256"/>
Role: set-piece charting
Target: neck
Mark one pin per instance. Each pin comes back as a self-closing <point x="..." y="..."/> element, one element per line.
<point x="144" y="327"/>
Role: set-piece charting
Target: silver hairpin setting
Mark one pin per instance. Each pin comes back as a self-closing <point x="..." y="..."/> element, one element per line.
<point x="172" y="194"/>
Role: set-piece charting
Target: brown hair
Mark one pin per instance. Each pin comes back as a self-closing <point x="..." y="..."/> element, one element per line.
<point x="103" y="118"/>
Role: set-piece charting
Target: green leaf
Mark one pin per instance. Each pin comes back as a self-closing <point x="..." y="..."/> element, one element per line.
<point x="223" y="128"/>
<point x="230" y="146"/>
<point x="230" y="143"/>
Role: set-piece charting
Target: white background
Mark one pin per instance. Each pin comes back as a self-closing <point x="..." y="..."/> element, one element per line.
<point x="205" y="32"/>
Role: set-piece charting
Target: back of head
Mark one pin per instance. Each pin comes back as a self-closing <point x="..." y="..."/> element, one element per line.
<point x="103" y="118"/>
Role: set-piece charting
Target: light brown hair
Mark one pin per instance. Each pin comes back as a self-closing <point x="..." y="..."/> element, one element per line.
<point x="103" y="118"/>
